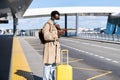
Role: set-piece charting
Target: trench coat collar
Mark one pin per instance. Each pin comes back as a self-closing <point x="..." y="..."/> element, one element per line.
<point x="51" y="21"/>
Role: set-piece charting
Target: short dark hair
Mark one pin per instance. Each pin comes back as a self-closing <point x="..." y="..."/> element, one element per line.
<point x="53" y="13"/>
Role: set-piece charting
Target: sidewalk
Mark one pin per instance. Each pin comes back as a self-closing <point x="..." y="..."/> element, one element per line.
<point x="33" y="58"/>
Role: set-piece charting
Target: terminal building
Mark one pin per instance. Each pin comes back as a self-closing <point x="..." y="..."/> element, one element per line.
<point x="113" y="25"/>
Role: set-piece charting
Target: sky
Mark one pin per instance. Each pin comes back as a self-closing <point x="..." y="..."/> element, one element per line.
<point x="69" y="3"/>
<point x="84" y="21"/>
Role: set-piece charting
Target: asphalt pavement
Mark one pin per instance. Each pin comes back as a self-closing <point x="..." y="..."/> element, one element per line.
<point x="90" y="60"/>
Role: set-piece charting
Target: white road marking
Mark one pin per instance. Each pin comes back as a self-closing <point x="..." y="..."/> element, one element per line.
<point x="101" y="57"/>
<point x="115" y="61"/>
<point x="96" y="55"/>
<point x="93" y="45"/>
<point x="108" y="59"/>
<point x="71" y="40"/>
<point x="91" y="54"/>
<point x="101" y="46"/>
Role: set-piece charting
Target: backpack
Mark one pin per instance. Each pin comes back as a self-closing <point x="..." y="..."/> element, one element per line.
<point x="41" y="36"/>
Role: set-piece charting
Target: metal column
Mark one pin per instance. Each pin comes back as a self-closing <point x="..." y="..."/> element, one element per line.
<point x="66" y="25"/>
<point x="15" y="21"/>
<point x="77" y="24"/>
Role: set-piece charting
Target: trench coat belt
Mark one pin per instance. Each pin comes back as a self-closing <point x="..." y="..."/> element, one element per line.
<point x="50" y="41"/>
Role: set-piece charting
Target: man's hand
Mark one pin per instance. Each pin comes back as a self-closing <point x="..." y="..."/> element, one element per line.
<point x="60" y="32"/>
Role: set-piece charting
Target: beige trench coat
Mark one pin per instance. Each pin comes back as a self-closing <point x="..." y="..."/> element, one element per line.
<point x="51" y="51"/>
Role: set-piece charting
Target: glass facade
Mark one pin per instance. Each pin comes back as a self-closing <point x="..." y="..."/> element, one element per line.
<point x="113" y="25"/>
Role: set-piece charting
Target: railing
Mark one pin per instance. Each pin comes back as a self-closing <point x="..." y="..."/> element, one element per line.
<point x="93" y="36"/>
<point x="28" y="33"/>
<point x="98" y="36"/>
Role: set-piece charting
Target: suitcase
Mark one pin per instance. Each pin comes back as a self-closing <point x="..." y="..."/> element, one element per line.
<point x="64" y="71"/>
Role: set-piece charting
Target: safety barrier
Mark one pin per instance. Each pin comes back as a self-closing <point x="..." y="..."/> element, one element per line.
<point x="98" y="36"/>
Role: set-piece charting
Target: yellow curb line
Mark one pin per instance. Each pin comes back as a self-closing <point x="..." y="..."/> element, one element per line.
<point x="19" y="65"/>
<point x="75" y="60"/>
<point x="104" y="74"/>
<point x="90" y="69"/>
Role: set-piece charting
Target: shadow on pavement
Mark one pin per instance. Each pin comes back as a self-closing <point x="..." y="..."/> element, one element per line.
<point x="25" y="74"/>
<point x="37" y="78"/>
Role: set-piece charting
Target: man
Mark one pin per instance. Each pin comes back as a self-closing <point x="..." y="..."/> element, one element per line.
<point x="51" y="51"/>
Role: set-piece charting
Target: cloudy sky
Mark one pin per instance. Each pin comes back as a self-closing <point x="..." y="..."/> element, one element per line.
<point x="84" y="21"/>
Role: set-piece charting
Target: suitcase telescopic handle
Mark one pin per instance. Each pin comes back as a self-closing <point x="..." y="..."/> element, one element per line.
<point x="65" y="51"/>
